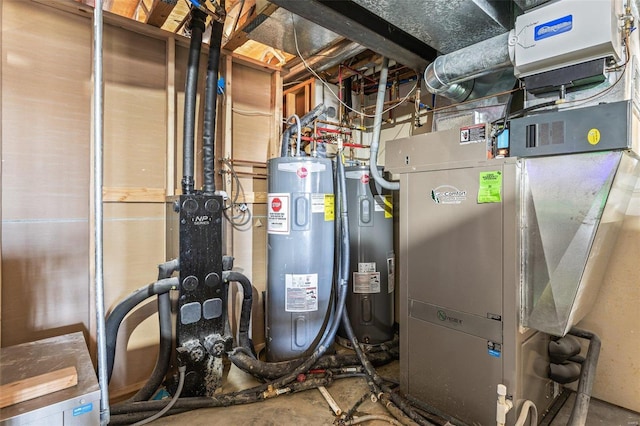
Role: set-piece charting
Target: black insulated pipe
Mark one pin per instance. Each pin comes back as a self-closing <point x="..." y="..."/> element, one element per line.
<point x="210" y="98"/>
<point x="245" y="361"/>
<point x="130" y="413"/>
<point x="134" y="299"/>
<point x="196" y="25"/>
<point x="165" y="270"/>
<point x="587" y="377"/>
<point x="244" y="340"/>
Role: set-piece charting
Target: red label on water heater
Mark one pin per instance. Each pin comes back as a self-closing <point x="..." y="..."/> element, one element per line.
<point x="364" y="178"/>
<point x="278" y="213"/>
<point x="302" y="172"/>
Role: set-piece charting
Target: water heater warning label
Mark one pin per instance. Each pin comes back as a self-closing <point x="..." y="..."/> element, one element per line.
<point x="278" y="213"/>
<point x="366" y="282"/>
<point x="302" y="292"/>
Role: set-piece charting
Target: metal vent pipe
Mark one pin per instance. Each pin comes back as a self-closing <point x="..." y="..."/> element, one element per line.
<point x="452" y="75"/>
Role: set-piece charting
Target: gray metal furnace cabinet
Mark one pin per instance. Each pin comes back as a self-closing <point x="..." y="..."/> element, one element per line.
<point x="459" y="269"/>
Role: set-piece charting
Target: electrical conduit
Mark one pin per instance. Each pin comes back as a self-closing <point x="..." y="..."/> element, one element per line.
<point x="98" y="134"/>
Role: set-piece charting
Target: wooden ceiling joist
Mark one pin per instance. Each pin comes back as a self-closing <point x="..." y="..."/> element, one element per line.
<point x="160" y="11"/>
<point x="126" y="8"/>
<point x="238" y="38"/>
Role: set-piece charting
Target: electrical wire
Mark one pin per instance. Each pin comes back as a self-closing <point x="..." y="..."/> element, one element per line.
<point x="244" y="111"/>
<point x="325" y="84"/>
<point x="182" y="369"/>
<point x="245" y="212"/>
<point x="372" y="417"/>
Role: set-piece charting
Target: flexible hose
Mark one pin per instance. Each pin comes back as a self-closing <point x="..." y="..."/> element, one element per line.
<point x="165" y="270"/>
<point x="527" y="407"/>
<point x="181" y="371"/>
<point x="134" y="299"/>
<point x="210" y="97"/>
<point x="244" y="341"/>
<point x="190" y="93"/>
<point x="377" y="127"/>
<point x="587" y="376"/>
<point x="372" y="417"/>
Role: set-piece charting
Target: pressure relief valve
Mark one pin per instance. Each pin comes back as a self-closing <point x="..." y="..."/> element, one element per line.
<point x="504" y="405"/>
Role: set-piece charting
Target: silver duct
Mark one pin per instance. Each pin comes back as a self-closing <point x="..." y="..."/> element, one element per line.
<point x="452" y="75"/>
<point x="529" y="4"/>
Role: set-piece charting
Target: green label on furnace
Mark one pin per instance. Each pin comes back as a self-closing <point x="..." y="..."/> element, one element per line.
<point x="490" y="187"/>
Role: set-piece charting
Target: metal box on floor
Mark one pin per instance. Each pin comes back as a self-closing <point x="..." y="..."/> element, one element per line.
<point x="75" y="406"/>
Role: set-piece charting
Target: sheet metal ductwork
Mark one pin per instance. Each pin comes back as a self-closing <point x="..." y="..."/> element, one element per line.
<point x="452" y="75"/>
<point x="411" y="33"/>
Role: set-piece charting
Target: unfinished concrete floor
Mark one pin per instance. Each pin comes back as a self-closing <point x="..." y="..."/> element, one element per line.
<point x="310" y="408"/>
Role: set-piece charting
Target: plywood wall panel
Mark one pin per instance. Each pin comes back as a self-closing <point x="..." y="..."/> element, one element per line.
<point x="45" y="282"/>
<point x="252" y="113"/>
<point x="134" y="246"/>
<point x="615" y="318"/>
<point x="46" y="114"/>
<point x="135" y="103"/>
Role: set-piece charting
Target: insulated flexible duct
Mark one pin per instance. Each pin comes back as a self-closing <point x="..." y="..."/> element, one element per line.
<point x="190" y="92"/>
<point x="452" y="75"/>
<point x="210" y="97"/>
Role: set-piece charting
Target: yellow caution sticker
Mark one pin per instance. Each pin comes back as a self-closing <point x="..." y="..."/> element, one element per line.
<point x="329" y="207"/>
<point x="388" y="206"/>
<point x="593" y="136"/>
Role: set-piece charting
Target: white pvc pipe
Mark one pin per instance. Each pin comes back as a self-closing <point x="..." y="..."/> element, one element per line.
<point x="98" y="130"/>
<point x="377" y="128"/>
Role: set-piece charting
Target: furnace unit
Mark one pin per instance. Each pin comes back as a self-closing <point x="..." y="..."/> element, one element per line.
<point x="497" y="255"/>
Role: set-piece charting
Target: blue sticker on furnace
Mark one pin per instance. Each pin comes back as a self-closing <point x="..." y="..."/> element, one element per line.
<point x="494" y="353"/>
<point x="83" y="409"/>
<point x="553" y="28"/>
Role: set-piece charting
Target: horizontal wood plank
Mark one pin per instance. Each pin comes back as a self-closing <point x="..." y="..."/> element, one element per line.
<point x="34" y="387"/>
<point x="133" y="195"/>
